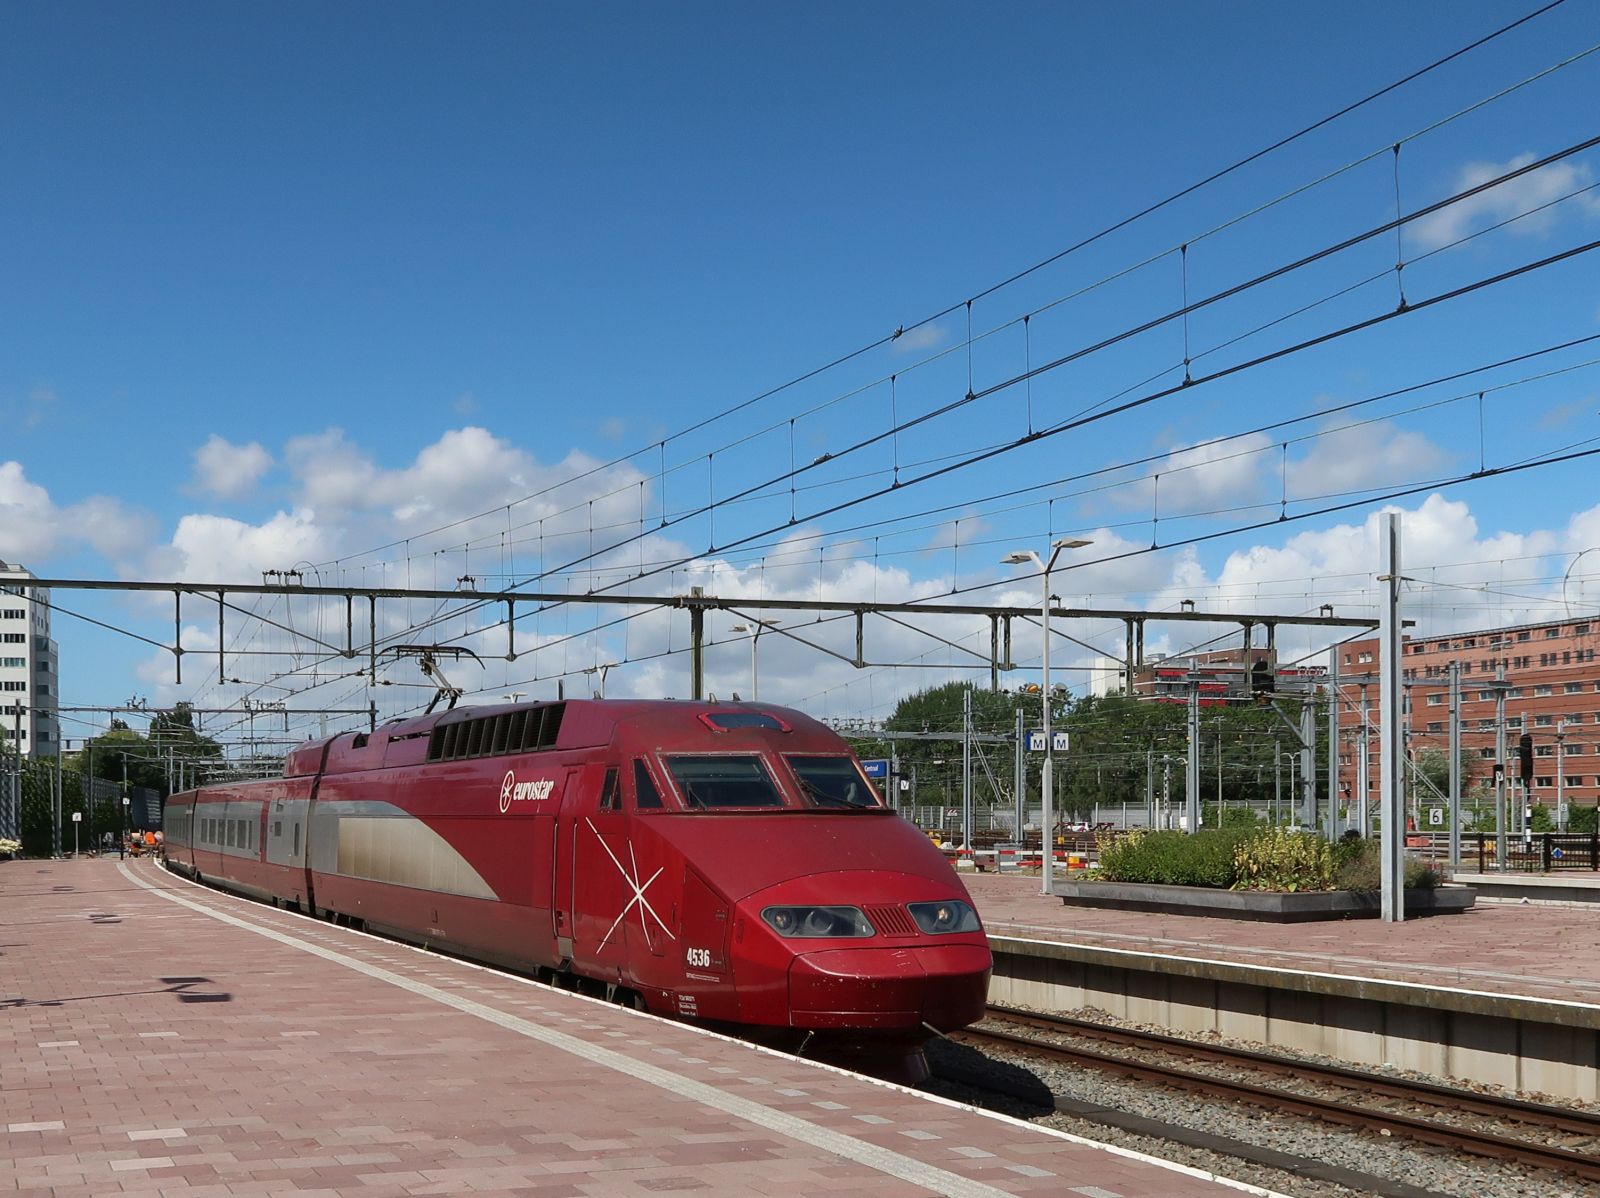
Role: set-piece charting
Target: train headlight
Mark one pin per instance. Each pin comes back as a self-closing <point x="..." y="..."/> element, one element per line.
<point x="817" y="922"/>
<point x="952" y="916"/>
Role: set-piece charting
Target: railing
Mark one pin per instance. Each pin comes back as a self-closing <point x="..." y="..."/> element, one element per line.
<point x="1543" y="852"/>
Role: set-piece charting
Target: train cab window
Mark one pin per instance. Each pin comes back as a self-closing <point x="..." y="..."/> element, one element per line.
<point x="724" y="781"/>
<point x="645" y="794"/>
<point x="832" y="782"/>
<point x="729" y="721"/>
<point x="610" y="798"/>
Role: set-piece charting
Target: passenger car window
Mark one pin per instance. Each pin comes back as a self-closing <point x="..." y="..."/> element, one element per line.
<point x="645" y="794"/>
<point x="735" y="780"/>
<point x="833" y="782"/>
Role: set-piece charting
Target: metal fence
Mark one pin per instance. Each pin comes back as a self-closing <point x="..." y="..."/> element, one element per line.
<point x="1544" y="852"/>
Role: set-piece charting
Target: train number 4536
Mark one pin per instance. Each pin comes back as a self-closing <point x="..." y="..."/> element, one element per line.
<point x="700" y="958"/>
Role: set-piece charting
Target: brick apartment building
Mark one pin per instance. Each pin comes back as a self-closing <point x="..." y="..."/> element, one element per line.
<point x="1554" y="696"/>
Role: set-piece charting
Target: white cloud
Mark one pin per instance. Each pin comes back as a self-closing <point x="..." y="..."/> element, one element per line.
<point x="1203" y="477"/>
<point x="465" y="404"/>
<point x="229" y="471"/>
<point x="1364" y="457"/>
<point x="207" y="548"/>
<point x="27" y="517"/>
<point x="33" y="528"/>
<point x="1509" y="199"/>
<point x="926" y="336"/>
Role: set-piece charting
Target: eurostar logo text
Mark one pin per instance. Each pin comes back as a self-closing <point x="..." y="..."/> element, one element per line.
<point x="512" y="791"/>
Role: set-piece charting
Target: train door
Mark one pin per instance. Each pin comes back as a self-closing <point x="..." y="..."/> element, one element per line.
<point x="651" y="925"/>
<point x="592" y="875"/>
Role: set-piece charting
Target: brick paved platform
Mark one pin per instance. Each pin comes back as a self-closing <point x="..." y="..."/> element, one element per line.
<point x="160" y="1038"/>
<point x="1532" y="951"/>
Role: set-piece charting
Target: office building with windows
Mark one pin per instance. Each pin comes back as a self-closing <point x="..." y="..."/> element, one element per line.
<point x="29" y="666"/>
<point x="1552" y="693"/>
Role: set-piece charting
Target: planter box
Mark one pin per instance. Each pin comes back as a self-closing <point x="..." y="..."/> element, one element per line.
<point x="1275" y="906"/>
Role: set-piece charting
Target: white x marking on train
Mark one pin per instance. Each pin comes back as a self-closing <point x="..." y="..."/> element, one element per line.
<point x="631" y="877"/>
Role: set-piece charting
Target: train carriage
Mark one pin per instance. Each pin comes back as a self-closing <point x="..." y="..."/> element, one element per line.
<point x="723" y="862"/>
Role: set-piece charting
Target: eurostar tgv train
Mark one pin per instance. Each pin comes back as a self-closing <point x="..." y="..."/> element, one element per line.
<point x="728" y="863"/>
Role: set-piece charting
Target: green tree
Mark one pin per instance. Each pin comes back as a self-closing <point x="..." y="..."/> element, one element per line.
<point x="935" y="762"/>
<point x="1434" y="767"/>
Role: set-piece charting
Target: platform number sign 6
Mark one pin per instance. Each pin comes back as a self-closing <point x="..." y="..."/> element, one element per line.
<point x="700" y="958"/>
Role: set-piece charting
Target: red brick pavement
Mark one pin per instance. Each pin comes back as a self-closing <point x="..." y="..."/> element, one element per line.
<point x="148" y="1047"/>
<point x="1534" y="951"/>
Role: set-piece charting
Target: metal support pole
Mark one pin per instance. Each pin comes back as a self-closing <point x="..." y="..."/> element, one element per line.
<point x="1364" y="779"/>
<point x="966" y="772"/>
<point x="1191" y="775"/>
<point x="1129" y="665"/>
<point x="55" y="802"/>
<point x="1277" y="780"/>
<point x="1150" y="788"/>
<point x="1455" y="765"/>
<point x="1501" y="767"/>
<point x="1047" y="781"/>
<point x="1561" y="775"/>
<point x="1330" y="826"/>
<point x="1021" y="775"/>
<point x="1391" y="674"/>
<point x="697" y="662"/>
<point x="1308" y="765"/>
<point x="14" y="813"/>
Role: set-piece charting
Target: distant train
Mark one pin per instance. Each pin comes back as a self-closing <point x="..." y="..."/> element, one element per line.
<point x="728" y="863"/>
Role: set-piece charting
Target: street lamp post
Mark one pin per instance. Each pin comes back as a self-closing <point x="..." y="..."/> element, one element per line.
<point x="754" y="628"/>
<point x="1047" y="778"/>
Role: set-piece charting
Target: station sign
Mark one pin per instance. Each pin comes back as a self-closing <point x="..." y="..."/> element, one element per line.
<point x="1059" y="742"/>
<point x="875" y="767"/>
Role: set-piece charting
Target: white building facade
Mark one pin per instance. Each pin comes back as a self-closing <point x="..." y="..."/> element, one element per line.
<point x="29" y="666"/>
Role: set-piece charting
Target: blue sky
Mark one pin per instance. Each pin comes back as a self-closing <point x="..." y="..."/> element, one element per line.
<point x="286" y="283"/>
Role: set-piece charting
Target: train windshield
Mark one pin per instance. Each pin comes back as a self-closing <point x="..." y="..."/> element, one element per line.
<point x="832" y="782"/>
<point x="735" y="780"/>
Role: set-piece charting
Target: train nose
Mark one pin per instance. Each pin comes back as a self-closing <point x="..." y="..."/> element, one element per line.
<point x="944" y="986"/>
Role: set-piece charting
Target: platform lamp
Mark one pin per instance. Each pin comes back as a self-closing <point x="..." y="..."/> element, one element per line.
<point x="1047" y="780"/>
<point x="754" y="628"/>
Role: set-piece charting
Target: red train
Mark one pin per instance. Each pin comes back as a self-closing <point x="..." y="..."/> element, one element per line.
<point x="724" y="862"/>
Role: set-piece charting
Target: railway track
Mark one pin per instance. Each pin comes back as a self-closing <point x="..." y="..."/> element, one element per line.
<point x="1357" y="1111"/>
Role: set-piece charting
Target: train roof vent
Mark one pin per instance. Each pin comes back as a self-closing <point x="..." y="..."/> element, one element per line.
<point x="525" y="730"/>
<point x="891" y="921"/>
<point x="730" y="721"/>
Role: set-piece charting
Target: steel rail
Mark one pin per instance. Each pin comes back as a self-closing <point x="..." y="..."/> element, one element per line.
<point x="1462" y="1139"/>
<point x="1519" y="1110"/>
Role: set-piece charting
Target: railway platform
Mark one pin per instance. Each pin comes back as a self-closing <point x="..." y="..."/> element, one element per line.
<point x="162" y="1038"/>
<point x="1503" y="994"/>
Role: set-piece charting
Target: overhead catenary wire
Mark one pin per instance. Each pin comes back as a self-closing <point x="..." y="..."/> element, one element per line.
<point x="658" y="445"/>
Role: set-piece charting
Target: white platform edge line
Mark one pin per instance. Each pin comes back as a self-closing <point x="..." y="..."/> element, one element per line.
<point x="537" y="1033"/>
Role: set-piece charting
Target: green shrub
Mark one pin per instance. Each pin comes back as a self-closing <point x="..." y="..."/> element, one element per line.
<point x="1171" y="858"/>
<point x="1363" y="870"/>
<point x="1235" y="817"/>
<point x="1277" y="859"/>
